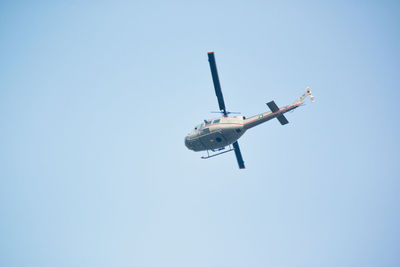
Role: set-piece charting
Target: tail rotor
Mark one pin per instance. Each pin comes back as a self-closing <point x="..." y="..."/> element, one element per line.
<point x="308" y="93"/>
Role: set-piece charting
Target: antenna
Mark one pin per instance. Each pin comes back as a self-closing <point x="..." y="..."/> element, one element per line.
<point x="227" y="112"/>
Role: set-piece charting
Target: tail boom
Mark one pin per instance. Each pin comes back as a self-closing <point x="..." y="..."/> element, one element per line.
<point x="276" y="112"/>
<point x="266" y="116"/>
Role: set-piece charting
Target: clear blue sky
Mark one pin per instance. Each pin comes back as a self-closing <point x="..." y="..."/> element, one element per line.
<point x="97" y="96"/>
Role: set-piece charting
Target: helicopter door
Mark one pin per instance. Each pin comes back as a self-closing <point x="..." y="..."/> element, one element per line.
<point x="213" y="140"/>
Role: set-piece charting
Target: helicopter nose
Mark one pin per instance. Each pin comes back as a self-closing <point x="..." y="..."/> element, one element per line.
<point x="187" y="142"/>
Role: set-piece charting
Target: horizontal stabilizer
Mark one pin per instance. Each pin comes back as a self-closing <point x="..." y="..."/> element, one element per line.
<point x="282" y="119"/>
<point x="272" y="106"/>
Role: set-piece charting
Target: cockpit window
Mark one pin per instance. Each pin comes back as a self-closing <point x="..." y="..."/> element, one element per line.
<point x="216" y="121"/>
<point x="208" y="123"/>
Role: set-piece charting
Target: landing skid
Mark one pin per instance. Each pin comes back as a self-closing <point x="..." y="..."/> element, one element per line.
<point x="223" y="152"/>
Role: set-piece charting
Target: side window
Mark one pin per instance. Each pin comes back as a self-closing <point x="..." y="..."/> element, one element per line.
<point x="216" y="121"/>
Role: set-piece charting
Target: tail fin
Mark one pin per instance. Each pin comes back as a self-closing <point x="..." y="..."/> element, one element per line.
<point x="300" y="100"/>
<point x="309" y="93"/>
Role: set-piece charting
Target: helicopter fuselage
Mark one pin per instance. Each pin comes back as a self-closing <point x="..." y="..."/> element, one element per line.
<point x="220" y="132"/>
<point x="215" y="133"/>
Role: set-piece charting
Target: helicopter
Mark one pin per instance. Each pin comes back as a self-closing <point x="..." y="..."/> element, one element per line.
<point x="218" y="135"/>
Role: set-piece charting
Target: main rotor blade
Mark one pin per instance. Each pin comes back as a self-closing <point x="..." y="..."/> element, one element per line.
<point x="217" y="86"/>
<point x="238" y="155"/>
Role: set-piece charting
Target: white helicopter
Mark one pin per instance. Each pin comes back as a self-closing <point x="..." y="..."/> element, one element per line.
<point x="218" y="133"/>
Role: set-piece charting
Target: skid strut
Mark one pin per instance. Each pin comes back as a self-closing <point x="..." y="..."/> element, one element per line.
<point x="223" y="152"/>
